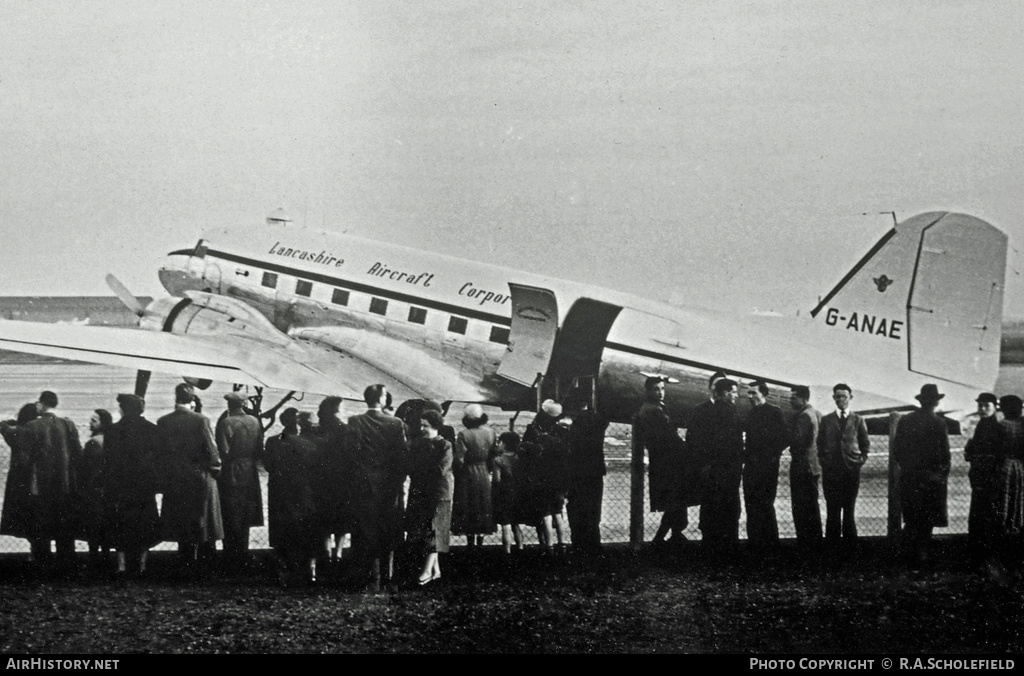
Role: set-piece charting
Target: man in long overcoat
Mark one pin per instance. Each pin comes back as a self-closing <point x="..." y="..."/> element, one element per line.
<point x="655" y="431"/>
<point x="767" y="436"/>
<point x="586" y="474"/>
<point x="715" y="437"/>
<point x="921" y="448"/>
<point x="375" y="457"/>
<point x="191" y="464"/>
<point x="132" y="450"/>
<point x="54" y="449"/>
<point x="239" y="442"/>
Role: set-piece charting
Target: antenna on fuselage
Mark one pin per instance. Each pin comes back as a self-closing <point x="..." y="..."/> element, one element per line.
<point x="882" y="213"/>
<point x="279" y="217"/>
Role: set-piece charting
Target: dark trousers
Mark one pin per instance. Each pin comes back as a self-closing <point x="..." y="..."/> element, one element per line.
<point x="584" y="511"/>
<point x="236" y="542"/>
<point x="983" y="504"/>
<point x="803" y="489"/>
<point x="760" y="486"/>
<point x="43" y="554"/>
<point x="840" y="488"/>
<point x="720" y="507"/>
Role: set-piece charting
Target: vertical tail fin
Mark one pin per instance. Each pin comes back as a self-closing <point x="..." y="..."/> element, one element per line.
<point x="932" y="286"/>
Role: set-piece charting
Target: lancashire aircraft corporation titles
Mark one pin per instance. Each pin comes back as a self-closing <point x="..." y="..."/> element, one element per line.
<point x="323" y="257"/>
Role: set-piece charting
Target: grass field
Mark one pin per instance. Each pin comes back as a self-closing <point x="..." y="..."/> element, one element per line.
<point x="623" y="602"/>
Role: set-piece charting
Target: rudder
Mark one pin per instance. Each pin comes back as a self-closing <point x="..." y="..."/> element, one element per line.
<point x="934" y="283"/>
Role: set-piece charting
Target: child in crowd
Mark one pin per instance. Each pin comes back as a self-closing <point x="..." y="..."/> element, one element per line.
<point x="506" y="495"/>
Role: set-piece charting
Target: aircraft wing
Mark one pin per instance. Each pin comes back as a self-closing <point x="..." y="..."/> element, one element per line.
<point x="225" y="358"/>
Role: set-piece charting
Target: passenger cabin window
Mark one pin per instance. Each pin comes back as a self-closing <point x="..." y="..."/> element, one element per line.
<point x="303" y="288"/>
<point x="270" y="280"/>
<point x="339" y="297"/>
<point x="417" y="315"/>
<point x="378" y="306"/>
<point x="457" y="325"/>
<point x="499" y="334"/>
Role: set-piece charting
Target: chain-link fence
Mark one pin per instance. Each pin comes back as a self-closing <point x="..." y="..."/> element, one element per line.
<point x="872" y="502"/>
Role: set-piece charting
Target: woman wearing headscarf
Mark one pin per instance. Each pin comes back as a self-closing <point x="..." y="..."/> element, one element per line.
<point x="428" y="513"/>
<point x="474" y="447"/>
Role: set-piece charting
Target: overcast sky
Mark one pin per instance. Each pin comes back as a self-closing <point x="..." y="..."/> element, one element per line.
<point x="707" y="151"/>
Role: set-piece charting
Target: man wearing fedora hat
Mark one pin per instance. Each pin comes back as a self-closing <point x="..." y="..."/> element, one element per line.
<point x="921" y="449"/>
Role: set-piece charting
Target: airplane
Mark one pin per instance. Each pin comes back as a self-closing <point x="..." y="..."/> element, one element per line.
<point x="283" y="307"/>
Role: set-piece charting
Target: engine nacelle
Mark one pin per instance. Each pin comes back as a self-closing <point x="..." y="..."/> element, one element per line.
<point x="201" y="313"/>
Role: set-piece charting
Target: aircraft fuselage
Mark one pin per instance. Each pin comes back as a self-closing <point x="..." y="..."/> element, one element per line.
<point x="441" y="324"/>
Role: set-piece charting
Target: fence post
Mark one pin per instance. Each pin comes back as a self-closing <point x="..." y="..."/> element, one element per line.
<point x="636" y="494"/>
<point x="895" y="515"/>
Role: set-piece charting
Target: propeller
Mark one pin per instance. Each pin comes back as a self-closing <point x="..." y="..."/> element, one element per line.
<point x="133" y="304"/>
<point x="125" y="296"/>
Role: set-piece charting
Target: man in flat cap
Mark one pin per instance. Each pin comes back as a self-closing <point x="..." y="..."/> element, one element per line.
<point x="921" y="449"/>
<point x="191" y="505"/>
<point x="982" y="452"/>
<point x="240" y="443"/>
<point x="131" y="449"/>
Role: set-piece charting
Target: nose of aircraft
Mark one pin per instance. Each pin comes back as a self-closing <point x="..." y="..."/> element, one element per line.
<point x="174" y="273"/>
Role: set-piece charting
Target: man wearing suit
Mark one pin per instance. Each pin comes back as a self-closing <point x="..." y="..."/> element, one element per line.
<point x="191" y="464"/>
<point x="375" y="458"/>
<point x="842" y="449"/>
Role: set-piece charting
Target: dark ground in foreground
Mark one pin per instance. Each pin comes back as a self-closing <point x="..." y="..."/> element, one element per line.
<point x="622" y="602"/>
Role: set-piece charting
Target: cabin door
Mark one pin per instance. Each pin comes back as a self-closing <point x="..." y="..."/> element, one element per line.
<point x="532" y="334"/>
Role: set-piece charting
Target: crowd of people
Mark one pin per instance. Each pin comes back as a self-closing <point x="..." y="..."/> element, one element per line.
<point x="403" y="482"/>
<point x="723" y="452"/>
<point x="390" y="482"/>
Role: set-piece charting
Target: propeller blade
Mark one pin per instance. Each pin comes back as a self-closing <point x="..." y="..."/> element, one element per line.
<point x="124" y="295"/>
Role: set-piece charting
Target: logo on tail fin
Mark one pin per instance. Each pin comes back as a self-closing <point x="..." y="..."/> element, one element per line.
<point x="882" y="283"/>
